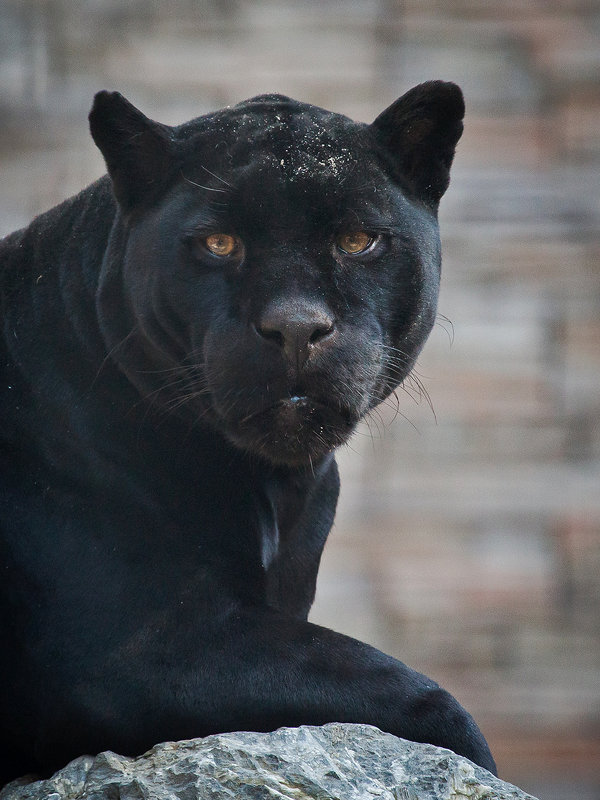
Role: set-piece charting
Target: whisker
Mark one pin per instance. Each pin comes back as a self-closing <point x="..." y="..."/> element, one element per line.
<point x="201" y="186"/>
<point x="403" y="416"/>
<point x="111" y="352"/>
<point x="218" y="177"/>
<point x="439" y="319"/>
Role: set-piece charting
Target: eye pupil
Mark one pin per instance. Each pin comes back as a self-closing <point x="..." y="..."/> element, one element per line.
<point x="221" y="244"/>
<point x="354" y="243"/>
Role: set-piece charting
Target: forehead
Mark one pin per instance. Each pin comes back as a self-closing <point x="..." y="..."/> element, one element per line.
<point x="274" y="137"/>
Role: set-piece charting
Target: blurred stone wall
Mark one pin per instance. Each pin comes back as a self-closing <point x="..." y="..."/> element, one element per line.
<point x="468" y="537"/>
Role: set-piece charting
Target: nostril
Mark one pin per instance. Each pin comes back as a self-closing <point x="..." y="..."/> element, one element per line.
<point x="320" y="332"/>
<point x="272" y="334"/>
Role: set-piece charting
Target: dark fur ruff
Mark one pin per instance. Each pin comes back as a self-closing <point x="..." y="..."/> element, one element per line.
<point x="170" y="416"/>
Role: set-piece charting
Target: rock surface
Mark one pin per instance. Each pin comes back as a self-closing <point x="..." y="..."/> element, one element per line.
<point x="333" y="762"/>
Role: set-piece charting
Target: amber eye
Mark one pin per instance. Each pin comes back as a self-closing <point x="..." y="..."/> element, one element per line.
<point x="355" y="242"/>
<point x="221" y="244"/>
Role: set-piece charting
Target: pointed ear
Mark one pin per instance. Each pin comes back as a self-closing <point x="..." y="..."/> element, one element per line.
<point x="419" y="132"/>
<point x="136" y="149"/>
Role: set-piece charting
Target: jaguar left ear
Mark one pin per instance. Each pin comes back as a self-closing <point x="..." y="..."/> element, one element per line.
<point x="136" y="149"/>
<point x="419" y="132"/>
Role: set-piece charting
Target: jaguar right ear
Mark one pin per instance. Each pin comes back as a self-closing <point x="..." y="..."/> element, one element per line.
<point x="137" y="150"/>
<point x="419" y="132"/>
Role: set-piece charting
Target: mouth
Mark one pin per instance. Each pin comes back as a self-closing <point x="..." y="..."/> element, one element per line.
<point x="295" y="430"/>
<point x="290" y="406"/>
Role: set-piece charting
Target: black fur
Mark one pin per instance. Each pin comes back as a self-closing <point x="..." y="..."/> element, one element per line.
<point x="170" y="416"/>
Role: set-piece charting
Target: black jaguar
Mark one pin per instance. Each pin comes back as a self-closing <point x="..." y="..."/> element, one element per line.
<point x="185" y="344"/>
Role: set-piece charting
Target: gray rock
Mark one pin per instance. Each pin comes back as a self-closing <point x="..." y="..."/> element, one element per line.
<point x="341" y="762"/>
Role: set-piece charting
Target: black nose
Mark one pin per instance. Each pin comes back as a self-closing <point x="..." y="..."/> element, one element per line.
<point x="297" y="326"/>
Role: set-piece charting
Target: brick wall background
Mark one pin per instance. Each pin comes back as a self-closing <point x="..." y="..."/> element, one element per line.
<point x="468" y="537"/>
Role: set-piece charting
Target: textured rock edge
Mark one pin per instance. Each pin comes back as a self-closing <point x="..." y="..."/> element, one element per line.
<point x="335" y="761"/>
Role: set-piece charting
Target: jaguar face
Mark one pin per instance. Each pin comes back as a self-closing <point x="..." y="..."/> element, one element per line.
<point x="282" y="281"/>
